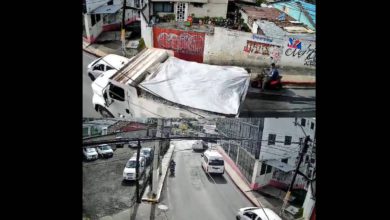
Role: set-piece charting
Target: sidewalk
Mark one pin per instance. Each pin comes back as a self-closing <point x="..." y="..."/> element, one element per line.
<point x="147" y="207"/>
<point x="290" y="76"/>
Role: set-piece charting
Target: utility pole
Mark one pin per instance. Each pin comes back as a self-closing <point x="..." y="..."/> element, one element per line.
<point x="137" y="172"/>
<point x="302" y="153"/>
<point x="123" y="28"/>
<point x="156" y="158"/>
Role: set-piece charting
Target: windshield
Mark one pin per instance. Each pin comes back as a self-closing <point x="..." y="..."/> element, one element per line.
<point x="131" y="164"/>
<point x="105" y="147"/>
<point x="97" y="60"/>
<point x="145" y="152"/>
<point x="216" y="162"/>
<point x="90" y="150"/>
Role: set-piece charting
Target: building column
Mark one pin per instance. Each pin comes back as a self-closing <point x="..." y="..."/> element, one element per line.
<point x="254" y="185"/>
<point x="238" y="153"/>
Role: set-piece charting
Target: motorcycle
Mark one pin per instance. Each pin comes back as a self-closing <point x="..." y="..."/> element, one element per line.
<point x="275" y="84"/>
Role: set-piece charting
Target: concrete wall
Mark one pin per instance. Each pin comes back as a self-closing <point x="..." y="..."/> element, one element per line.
<point x="146" y="33"/>
<point x="92" y="32"/>
<point x="308" y="204"/>
<point x="230" y="47"/>
<point x="212" y="9"/>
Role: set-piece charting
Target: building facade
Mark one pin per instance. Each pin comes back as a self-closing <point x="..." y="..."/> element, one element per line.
<point x="105" y="15"/>
<point x="272" y="153"/>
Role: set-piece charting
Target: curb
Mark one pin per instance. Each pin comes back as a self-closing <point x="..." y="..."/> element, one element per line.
<point x="297" y="83"/>
<point x="244" y="192"/>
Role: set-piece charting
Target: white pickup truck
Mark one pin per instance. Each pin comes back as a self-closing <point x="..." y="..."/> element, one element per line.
<point x="156" y="84"/>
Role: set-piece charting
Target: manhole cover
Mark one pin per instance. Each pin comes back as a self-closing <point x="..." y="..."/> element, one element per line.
<point x="163" y="207"/>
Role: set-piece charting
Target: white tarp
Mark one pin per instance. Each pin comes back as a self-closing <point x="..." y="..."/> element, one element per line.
<point x="218" y="89"/>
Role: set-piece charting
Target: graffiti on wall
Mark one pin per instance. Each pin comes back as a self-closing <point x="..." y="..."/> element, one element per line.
<point x="296" y="49"/>
<point x="294" y="43"/>
<point x="263" y="50"/>
<point x="185" y="44"/>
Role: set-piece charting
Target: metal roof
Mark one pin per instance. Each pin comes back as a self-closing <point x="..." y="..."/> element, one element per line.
<point x="106" y="9"/>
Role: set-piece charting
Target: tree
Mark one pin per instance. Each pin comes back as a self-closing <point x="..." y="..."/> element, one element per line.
<point x="259" y="2"/>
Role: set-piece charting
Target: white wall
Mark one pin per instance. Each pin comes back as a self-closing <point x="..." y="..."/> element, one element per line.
<point x="93" y="4"/>
<point x="308" y="204"/>
<point x="146" y="33"/>
<point x="93" y="30"/>
<point x="226" y="47"/>
<point x="285" y="127"/>
<point x="265" y="178"/>
<point x="210" y="9"/>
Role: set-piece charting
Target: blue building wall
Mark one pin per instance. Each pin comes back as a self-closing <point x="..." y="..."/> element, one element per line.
<point x="295" y="12"/>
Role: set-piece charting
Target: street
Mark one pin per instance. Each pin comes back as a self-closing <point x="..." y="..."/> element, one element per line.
<point x="192" y="194"/>
<point x="291" y="102"/>
<point x="88" y="110"/>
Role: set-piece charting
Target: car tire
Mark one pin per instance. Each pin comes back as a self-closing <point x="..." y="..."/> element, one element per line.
<point x="105" y="113"/>
<point x="91" y="76"/>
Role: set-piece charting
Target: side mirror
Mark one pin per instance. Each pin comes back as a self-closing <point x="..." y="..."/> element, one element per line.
<point x="201" y="155"/>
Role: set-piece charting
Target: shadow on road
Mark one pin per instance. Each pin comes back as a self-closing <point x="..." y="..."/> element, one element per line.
<point x="128" y="183"/>
<point x="216" y="178"/>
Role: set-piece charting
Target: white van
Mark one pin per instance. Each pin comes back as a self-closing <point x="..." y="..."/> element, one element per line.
<point x="212" y="162"/>
<point x="129" y="173"/>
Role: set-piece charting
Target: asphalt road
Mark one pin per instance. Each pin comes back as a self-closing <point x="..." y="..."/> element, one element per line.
<point x="88" y="110"/>
<point x="191" y="194"/>
<point x="286" y="103"/>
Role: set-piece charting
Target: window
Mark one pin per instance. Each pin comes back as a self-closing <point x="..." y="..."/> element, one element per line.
<point x="285" y="160"/>
<point x="110" y="2"/>
<point x="97" y="17"/>
<point x="271" y="139"/>
<point x="93" y="21"/>
<point x="303" y="122"/>
<point x="109" y="68"/>
<point x="269" y="169"/>
<point x="162" y="7"/>
<point x="263" y="166"/>
<point x="312" y="126"/>
<point x="99" y="67"/>
<point x="307" y="158"/>
<point x="250" y="215"/>
<point x="117" y="93"/>
<point x="287" y="140"/>
<point x="198" y="5"/>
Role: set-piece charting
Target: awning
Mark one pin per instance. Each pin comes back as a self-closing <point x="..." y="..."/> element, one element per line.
<point x="279" y="165"/>
<point x="107" y="9"/>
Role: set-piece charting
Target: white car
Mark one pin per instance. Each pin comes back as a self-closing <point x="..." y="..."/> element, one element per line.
<point x="108" y="62"/>
<point x="90" y="153"/>
<point x="256" y="213"/>
<point x="199" y="145"/>
<point x="133" y="144"/>
<point x="129" y="173"/>
<point x="104" y="150"/>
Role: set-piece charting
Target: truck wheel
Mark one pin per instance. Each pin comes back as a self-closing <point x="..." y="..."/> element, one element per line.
<point x="105" y="113"/>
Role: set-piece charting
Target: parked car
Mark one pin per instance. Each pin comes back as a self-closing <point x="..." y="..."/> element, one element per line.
<point x="148" y="153"/>
<point x="90" y="153"/>
<point x="105" y="151"/>
<point x="255" y="213"/>
<point x="129" y="172"/>
<point x="133" y="144"/>
<point x="119" y="145"/>
<point x="108" y="62"/>
<point x="199" y="145"/>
